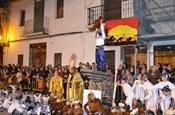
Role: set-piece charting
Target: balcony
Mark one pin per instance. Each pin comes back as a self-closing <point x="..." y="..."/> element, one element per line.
<point x="33" y="29"/>
<point x="118" y="10"/>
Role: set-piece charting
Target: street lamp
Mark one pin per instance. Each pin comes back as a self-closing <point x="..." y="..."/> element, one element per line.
<point x="3" y="38"/>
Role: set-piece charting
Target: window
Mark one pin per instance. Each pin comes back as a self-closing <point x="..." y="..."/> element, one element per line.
<point x="22" y="17"/>
<point x="57" y="58"/>
<point x="39" y="16"/>
<point x="20" y="59"/>
<point x="112" y="9"/>
<point x="60" y="8"/>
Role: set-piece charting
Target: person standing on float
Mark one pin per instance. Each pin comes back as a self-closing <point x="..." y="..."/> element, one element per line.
<point x="100" y="55"/>
<point x="100" y="37"/>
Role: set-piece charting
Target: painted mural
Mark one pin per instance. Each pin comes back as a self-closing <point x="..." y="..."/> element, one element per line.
<point x="121" y="32"/>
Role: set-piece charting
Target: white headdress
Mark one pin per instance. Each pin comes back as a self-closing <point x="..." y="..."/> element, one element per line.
<point x="72" y="61"/>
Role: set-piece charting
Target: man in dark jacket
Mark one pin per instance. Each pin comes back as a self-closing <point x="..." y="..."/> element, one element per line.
<point x="153" y="75"/>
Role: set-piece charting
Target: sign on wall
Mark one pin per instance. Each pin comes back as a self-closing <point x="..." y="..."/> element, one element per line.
<point x="121" y="32"/>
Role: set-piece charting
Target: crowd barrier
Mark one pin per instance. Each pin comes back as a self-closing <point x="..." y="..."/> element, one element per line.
<point x="34" y="84"/>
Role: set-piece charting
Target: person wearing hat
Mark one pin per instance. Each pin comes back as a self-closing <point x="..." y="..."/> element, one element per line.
<point x="75" y="86"/>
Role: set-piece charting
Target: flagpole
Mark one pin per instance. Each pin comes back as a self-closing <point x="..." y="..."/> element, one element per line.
<point x="115" y="87"/>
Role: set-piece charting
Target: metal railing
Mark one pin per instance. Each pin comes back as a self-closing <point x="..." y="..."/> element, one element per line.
<point x="118" y="10"/>
<point x="34" y="84"/>
<point x="29" y="26"/>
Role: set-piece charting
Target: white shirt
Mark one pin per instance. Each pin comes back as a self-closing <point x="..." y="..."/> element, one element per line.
<point x="128" y="90"/>
<point x="45" y="100"/>
<point x="146" y="87"/>
<point x="163" y="84"/>
<point x="37" y="98"/>
<point x="100" y="39"/>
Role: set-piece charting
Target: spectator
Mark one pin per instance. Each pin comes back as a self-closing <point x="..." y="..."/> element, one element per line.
<point x="94" y="67"/>
<point x="153" y="75"/>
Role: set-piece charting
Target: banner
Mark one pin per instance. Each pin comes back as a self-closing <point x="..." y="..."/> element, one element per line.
<point x="122" y="32"/>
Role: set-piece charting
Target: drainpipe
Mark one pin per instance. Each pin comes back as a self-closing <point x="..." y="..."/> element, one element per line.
<point x="135" y="59"/>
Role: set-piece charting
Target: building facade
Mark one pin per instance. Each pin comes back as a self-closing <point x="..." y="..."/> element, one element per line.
<point x="38" y="33"/>
<point x="50" y="31"/>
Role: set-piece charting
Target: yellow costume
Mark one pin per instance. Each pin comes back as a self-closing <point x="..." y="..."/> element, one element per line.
<point x="75" y="87"/>
<point x="56" y="85"/>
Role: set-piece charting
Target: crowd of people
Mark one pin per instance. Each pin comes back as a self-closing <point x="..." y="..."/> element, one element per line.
<point x="153" y="88"/>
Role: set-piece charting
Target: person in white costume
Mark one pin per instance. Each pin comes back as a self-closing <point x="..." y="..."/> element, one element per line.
<point x="162" y="84"/>
<point x="149" y="96"/>
<point x="165" y="96"/>
<point x="138" y="88"/>
<point x="37" y="97"/>
<point x="15" y="105"/>
<point x="128" y="92"/>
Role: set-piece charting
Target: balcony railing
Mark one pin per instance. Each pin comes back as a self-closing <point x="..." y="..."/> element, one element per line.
<point x="118" y="10"/>
<point x="29" y="29"/>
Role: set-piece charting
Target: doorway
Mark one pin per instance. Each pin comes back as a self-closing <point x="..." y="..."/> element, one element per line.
<point x="1" y="54"/>
<point x="110" y="59"/>
<point x="37" y="54"/>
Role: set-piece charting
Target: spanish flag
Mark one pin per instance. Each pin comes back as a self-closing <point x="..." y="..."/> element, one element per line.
<point x="123" y="30"/>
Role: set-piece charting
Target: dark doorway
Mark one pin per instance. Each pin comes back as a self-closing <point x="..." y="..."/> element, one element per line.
<point x="110" y="59"/>
<point x="1" y="54"/>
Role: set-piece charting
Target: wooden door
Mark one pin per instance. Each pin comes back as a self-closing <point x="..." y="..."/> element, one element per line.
<point x="37" y="54"/>
<point x="165" y="58"/>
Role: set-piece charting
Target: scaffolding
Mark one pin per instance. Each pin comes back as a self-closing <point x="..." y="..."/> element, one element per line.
<point x="156" y="16"/>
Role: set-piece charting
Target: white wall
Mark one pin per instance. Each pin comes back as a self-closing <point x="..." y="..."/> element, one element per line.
<point x="75" y="17"/>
